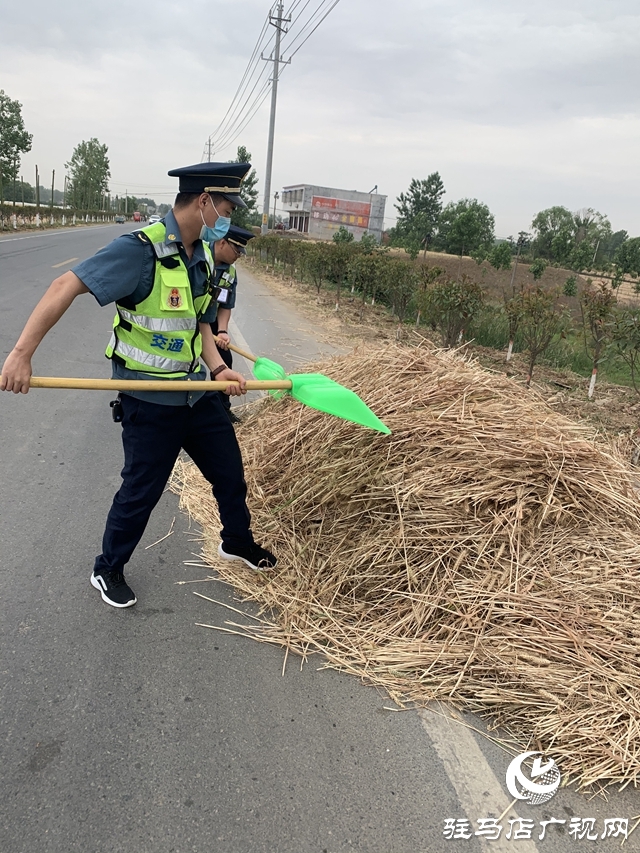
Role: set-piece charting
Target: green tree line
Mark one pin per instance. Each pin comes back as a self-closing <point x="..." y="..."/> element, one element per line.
<point x="581" y="240"/>
<point x="580" y="326"/>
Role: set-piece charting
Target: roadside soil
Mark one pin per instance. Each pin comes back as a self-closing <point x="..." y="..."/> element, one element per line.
<point x="614" y="410"/>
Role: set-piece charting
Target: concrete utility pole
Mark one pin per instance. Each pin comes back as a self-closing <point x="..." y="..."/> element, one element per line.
<point x="278" y="22"/>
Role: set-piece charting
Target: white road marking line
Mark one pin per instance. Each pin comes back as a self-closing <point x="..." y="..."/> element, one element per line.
<point x="63" y="263"/>
<point x="479" y="792"/>
<point x="52" y="233"/>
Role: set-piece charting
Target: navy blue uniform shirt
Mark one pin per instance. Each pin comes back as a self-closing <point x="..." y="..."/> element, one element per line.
<point x="211" y="314"/>
<point x="126" y="268"/>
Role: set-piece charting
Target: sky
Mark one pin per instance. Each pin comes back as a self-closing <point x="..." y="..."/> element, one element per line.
<point x="520" y="105"/>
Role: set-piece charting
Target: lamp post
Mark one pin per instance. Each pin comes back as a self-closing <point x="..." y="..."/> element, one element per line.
<point x="276" y="196"/>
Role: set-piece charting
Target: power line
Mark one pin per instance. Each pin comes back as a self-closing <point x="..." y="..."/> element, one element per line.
<point x="289" y="46"/>
<point x="249" y="98"/>
<point x="230" y="115"/>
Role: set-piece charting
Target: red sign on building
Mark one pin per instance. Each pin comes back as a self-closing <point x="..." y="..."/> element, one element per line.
<point x="341" y="211"/>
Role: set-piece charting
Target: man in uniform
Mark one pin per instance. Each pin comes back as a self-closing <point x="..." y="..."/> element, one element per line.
<point x="161" y="280"/>
<point x="226" y="252"/>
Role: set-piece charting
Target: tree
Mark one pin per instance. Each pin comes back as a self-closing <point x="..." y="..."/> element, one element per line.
<point x="418" y="213"/>
<point x="609" y="247"/>
<point x="537" y="268"/>
<point x="450" y="306"/>
<point x="592" y="229"/>
<point x="573" y="239"/>
<point x="339" y="257"/>
<point x="553" y="229"/>
<point x="466" y="227"/>
<point x="367" y="243"/>
<point x="317" y="263"/>
<point x="343" y="235"/>
<point x="597" y="311"/>
<point x="500" y="257"/>
<point x="248" y="192"/>
<point x="14" y="139"/>
<point x="538" y="321"/>
<point x="625" y="336"/>
<point x="627" y="258"/>
<point x="88" y="175"/>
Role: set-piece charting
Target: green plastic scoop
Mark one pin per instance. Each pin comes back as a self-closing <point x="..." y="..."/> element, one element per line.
<point x="316" y="391"/>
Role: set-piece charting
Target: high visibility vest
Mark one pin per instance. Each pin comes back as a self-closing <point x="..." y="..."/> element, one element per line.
<point x="160" y="335"/>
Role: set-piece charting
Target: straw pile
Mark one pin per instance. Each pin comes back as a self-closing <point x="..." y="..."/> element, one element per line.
<point x="486" y="553"/>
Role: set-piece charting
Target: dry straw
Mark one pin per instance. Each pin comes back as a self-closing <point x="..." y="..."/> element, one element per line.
<point x="486" y="553"/>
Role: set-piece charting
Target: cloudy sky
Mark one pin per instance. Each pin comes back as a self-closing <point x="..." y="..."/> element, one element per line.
<point x="521" y="105"/>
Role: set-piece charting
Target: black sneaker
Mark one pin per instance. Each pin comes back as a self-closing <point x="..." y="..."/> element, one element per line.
<point x="253" y="555"/>
<point x="113" y="589"/>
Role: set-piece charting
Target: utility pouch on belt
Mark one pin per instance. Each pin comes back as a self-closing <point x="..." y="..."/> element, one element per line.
<point x="117" y="412"/>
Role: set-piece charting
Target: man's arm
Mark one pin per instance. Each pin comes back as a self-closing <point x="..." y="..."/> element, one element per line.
<point x="16" y="371"/>
<point x="213" y="359"/>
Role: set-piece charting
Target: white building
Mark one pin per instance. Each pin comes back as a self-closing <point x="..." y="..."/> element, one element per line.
<point x="320" y="211"/>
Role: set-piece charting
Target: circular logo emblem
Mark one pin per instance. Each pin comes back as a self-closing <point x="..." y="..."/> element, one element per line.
<point x="540" y="785"/>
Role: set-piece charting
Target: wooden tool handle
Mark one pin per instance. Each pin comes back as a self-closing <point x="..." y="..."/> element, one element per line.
<point x="152" y="384"/>
<point x="241" y="352"/>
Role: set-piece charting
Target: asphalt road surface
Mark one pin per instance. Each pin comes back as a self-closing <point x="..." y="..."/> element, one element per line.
<point x="136" y="731"/>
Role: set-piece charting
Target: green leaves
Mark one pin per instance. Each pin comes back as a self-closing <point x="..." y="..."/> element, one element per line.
<point x="575" y="239"/>
<point x="88" y="175"/>
<point x="14" y="139"/>
<point x="343" y="235"/>
<point x="418" y="213"/>
<point x="242" y="217"/>
<point x="450" y="307"/>
<point x="537" y="268"/>
<point x="466" y="227"/>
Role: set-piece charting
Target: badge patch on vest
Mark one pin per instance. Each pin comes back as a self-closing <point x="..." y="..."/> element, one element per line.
<point x="175" y="299"/>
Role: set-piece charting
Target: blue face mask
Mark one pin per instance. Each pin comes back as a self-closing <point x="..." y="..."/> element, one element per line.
<point x="219" y="230"/>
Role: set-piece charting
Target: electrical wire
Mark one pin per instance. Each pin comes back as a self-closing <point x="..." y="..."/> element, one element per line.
<point x="246" y="102"/>
<point x="236" y="102"/>
<point x="289" y="46"/>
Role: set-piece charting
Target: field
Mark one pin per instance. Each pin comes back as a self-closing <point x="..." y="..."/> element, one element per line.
<point x="614" y="410"/>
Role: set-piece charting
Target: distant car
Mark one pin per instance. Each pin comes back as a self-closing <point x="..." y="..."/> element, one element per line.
<point x="137" y="217"/>
<point x="154" y="218"/>
<point x="120" y="218"/>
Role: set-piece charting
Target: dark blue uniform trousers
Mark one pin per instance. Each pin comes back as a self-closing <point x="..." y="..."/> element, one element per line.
<point x="152" y="436"/>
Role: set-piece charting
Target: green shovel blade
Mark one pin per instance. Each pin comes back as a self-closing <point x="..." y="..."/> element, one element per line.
<point x="265" y="369"/>
<point x="321" y="393"/>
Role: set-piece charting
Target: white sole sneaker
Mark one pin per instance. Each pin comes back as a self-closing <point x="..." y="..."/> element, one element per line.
<point x="225" y="556"/>
<point x="95" y="583"/>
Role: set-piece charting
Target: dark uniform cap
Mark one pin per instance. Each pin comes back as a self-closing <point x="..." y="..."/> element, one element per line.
<point x="222" y="178"/>
<point x="239" y="237"/>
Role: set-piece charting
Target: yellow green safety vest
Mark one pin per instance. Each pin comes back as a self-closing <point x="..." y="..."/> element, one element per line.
<point x="160" y="335"/>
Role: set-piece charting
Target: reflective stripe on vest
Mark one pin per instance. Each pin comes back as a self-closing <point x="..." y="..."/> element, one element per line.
<point x="159" y="324"/>
<point x="154" y="362"/>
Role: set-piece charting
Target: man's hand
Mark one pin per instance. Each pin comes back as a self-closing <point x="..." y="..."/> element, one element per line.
<point x="228" y="375"/>
<point x="16" y="373"/>
<point x="223" y="340"/>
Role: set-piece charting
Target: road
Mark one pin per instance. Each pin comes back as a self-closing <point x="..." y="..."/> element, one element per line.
<point x="136" y="731"/>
